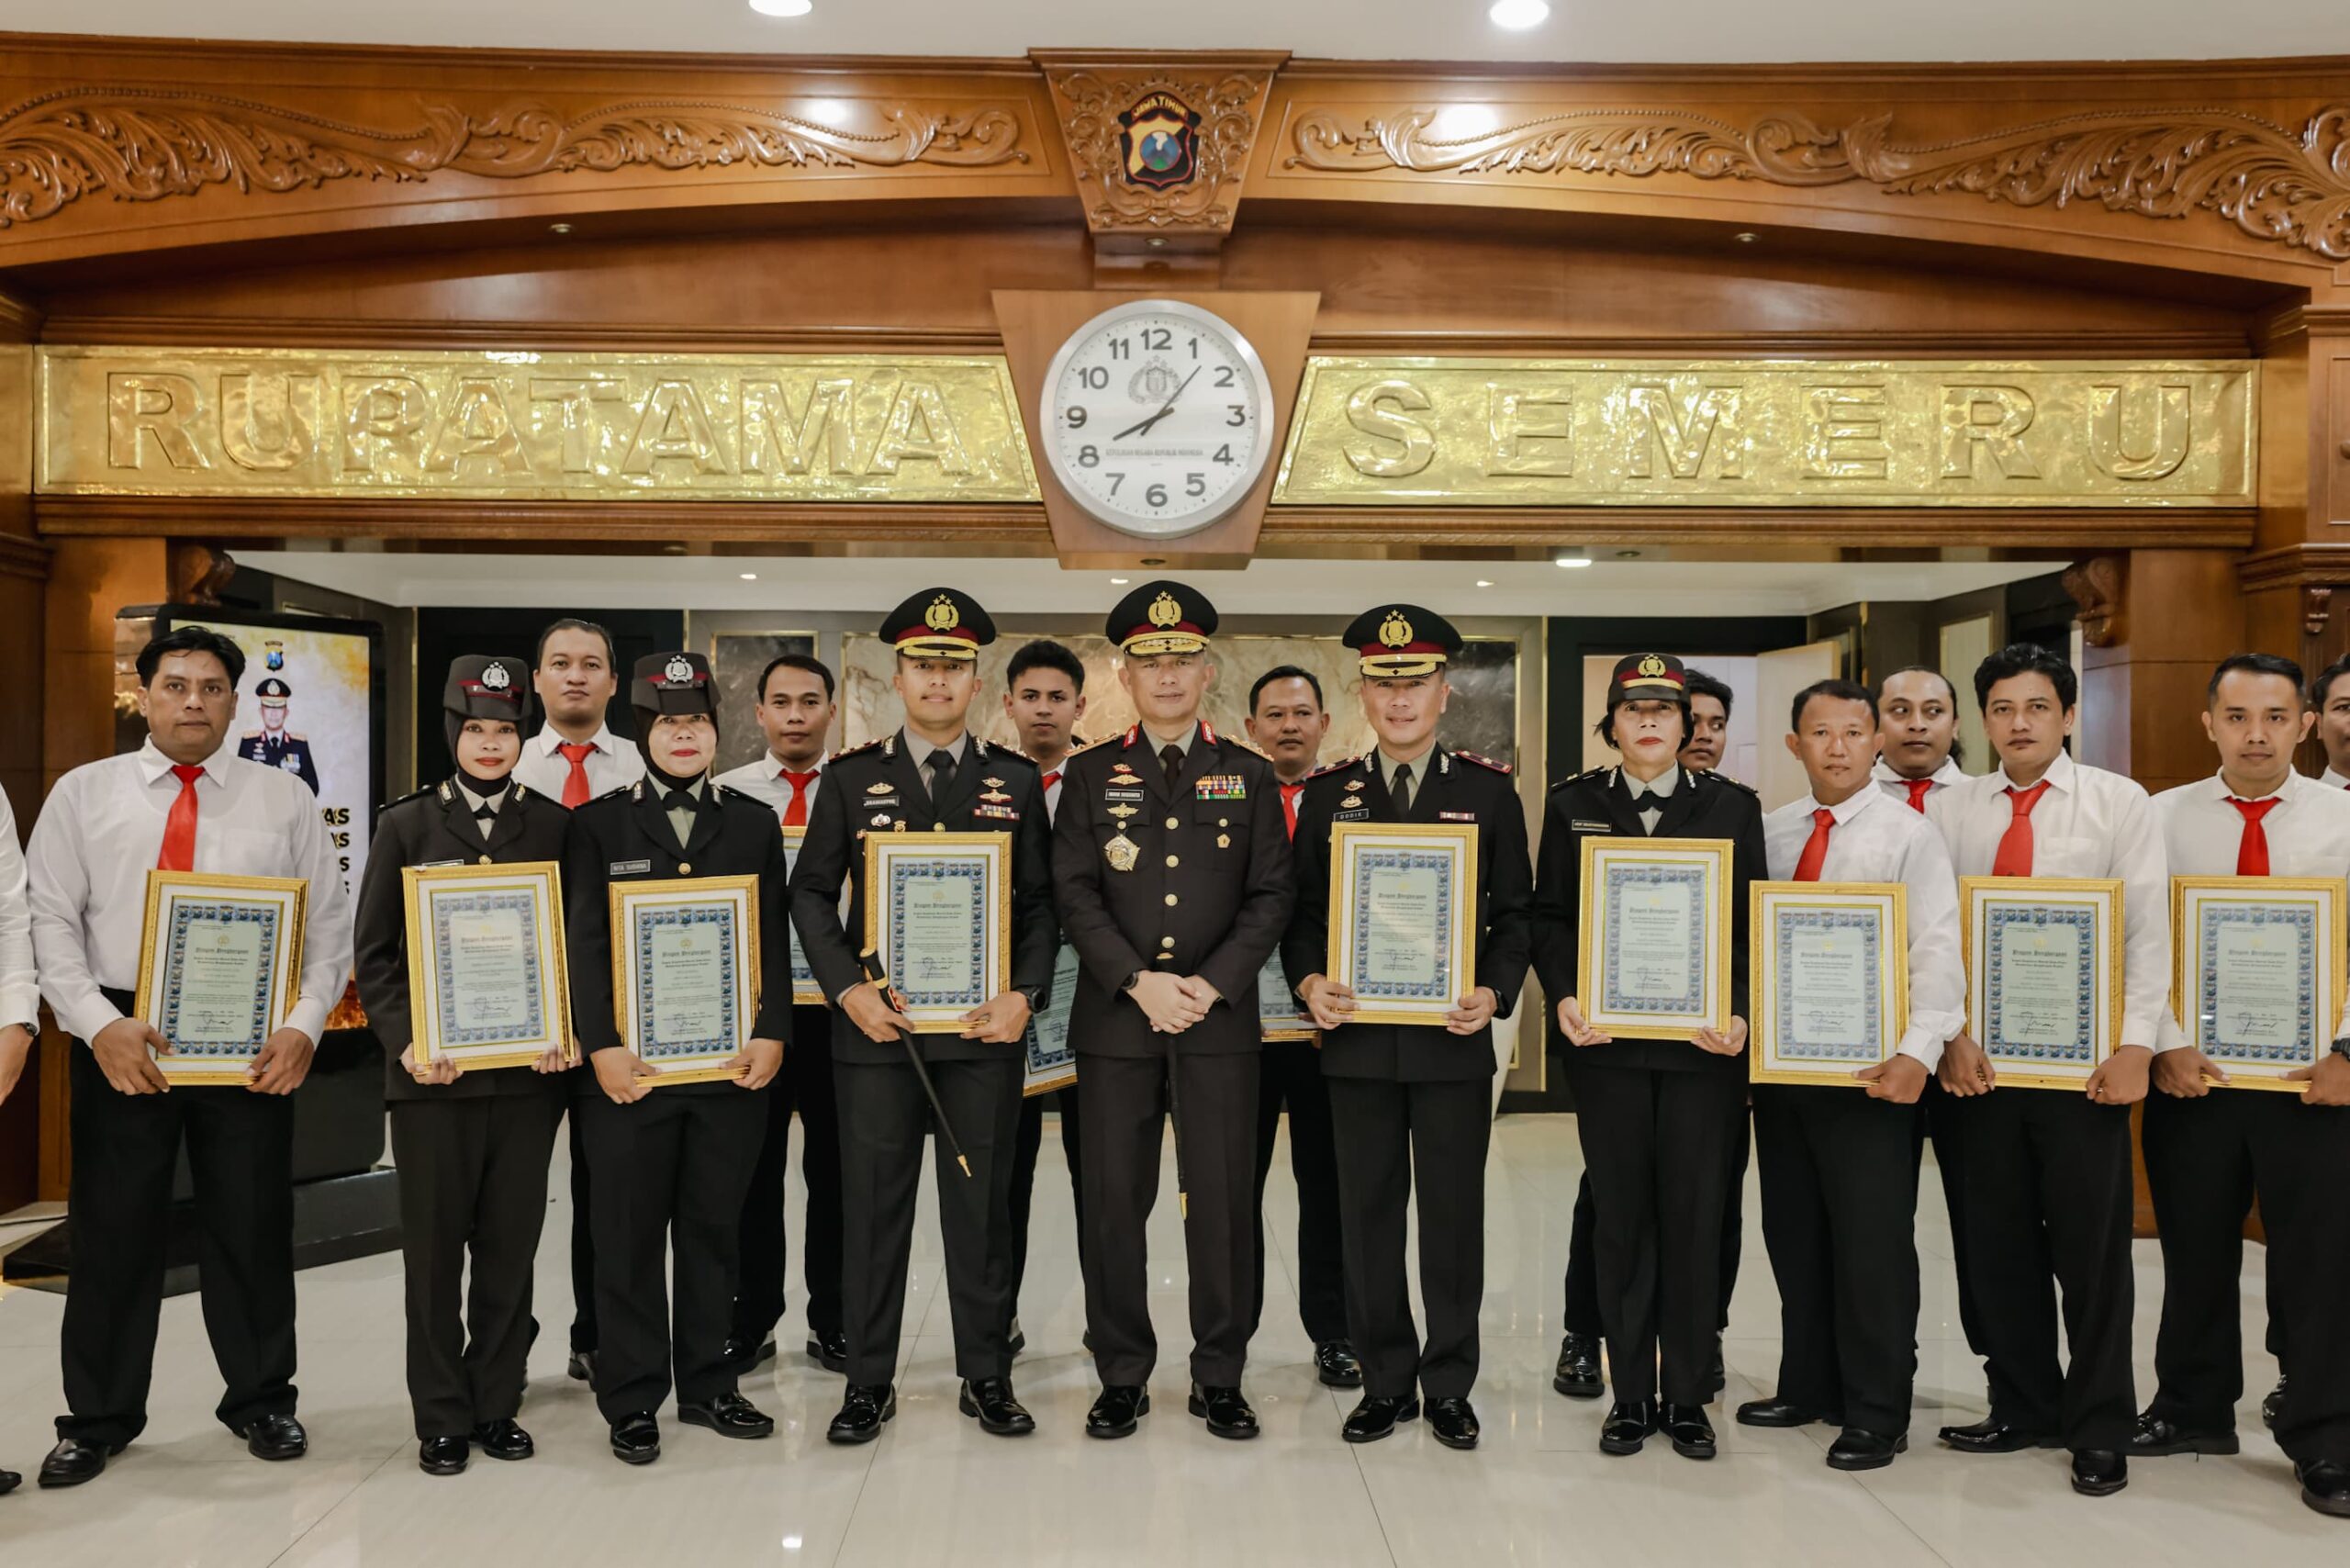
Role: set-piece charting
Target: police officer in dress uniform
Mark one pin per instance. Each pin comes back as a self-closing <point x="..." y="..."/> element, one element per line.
<point x="1658" y="1119"/>
<point x="273" y="745"/>
<point x="1171" y="861"/>
<point x="931" y="776"/>
<point x="670" y="1162"/>
<point x="471" y="1147"/>
<point x="1410" y="1102"/>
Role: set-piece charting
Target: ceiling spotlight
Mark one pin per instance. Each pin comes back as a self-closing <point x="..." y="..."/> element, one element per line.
<point x="1484" y="582"/>
<point x="748" y="577"/>
<point x="1570" y="562"/>
<point x="1120" y="582"/>
<point x="1515" y="15"/>
<point x="1744" y="237"/>
<point x="783" y="8"/>
<point x="558" y="227"/>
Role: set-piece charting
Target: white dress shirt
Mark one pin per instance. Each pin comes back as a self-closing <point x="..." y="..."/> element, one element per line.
<point x="20" y="988"/>
<point x="1659" y="789"/>
<point x="2307" y="831"/>
<point x="1894" y="785"/>
<point x="763" y="781"/>
<point x="1873" y="839"/>
<point x="546" y="769"/>
<point x="2333" y="780"/>
<point x="102" y="832"/>
<point x="2088" y="823"/>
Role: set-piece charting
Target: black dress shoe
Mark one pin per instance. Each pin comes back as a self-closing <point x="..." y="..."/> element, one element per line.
<point x="730" y="1416"/>
<point x="1780" y="1413"/>
<point x="73" y="1462"/>
<point x="829" y="1350"/>
<point x="1578" y="1375"/>
<point x="1991" y="1435"/>
<point x="2325" y="1487"/>
<point x="2099" y="1472"/>
<point x="741" y="1354"/>
<point x="1226" y="1410"/>
<point x="863" y="1410"/>
<point x="1692" y="1433"/>
<point x="275" y="1437"/>
<point x="581" y="1367"/>
<point x="504" y="1439"/>
<point x="442" y="1456"/>
<point x="2272" y="1405"/>
<point x="1338" y="1365"/>
<point x="1375" y="1415"/>
<point x="1629" y="1424"/>
<point x="636" y="1439"/>
<point x="1857" y="1450"/>
<point x="991" y="1400"/>
<point x="2155" y="1436"/>
<point x="1117" y="1411"/>
<point x="1453" y="1422"/>
<point x="9" y="1480"/>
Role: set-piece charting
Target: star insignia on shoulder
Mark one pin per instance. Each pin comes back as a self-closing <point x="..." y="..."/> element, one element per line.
<point x="1335" y="766"/>
<point x="856" y="750"/>
<point x="1589" y="775"/>
<point x="1725" y="778"/>
<point x="1501" y="768"/>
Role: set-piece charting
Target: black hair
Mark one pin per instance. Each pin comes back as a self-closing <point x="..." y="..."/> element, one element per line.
<point x="1704" y="685"/>
<point x="1606" y="728"/>
<point x="1046" y="653"/>
<point x="2325" y="679"/>
<point x="573" y="623"/>
<point x="1957" y="746"/>
<point x="2026" y="659"/>
<point x="1835" y="691"/>
<point x="1284" y="672"/>
<point x="814" y="666"/>
<point x="192" y="640"/>
<point x="2252" y="664"/>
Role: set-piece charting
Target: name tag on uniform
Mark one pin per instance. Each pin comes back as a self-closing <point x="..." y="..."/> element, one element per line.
<point x="1007" y="812"/>
<point x="879" y="801"/>
<point x="1223" y="787"/>
<point x="1122" y="794"/>
<point x="1361" y="813"/>
<point x="1456" y="816"/>
<point x="629" y="868"/>
<point x="1581" y="825"/>
<point x="436" y="865"/>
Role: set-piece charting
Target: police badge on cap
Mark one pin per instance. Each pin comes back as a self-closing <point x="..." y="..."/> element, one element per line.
<point x="482" y="686"/>
<point x="1161" y="617"/>
<point x="1655" y="676"/>
<point x="1397" y="641"/>
<point x="938" y="624"/>
<point x="673" y="683"/>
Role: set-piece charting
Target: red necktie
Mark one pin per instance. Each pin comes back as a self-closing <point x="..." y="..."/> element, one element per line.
<point x="2014" y="857"/>
<point x="575" y="787"/>
<point x="2252" y="850"/>
<point x="1815" y="849"/>
<point x="796" y="813"/>
<point x="1918" y="790"/>
<point x="1052" y="779"/>
<point x="179" y="828"/>
<point x="1289" y="793"/>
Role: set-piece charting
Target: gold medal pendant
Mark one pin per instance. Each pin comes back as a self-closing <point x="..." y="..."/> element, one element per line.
<point x="1121" y="852"/>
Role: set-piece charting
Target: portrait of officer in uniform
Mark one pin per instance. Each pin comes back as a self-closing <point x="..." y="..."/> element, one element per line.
<point x="274" y="744"/>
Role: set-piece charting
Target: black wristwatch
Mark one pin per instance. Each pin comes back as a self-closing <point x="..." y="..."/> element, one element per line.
<point x="2341" y="1048"/>
<point x="1130" y="983"/>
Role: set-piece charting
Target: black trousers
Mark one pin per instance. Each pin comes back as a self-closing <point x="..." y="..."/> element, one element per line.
<point x="2048" y="1195"/>
<point x="1840" y="1213"/>
<point x="240" y="1149"/>
<point x="1582" y="1270"/>
<point x="1659" y="1147"/>
<point x="2204" y="1161"/>
<point x="583" y="1243"/>
<point x="1125" y="1101"/>
<point x="1027" y="1142"/>
<point x="472" y="1176"/>
<point x="1392" y="1138"/>
<point x="805" y="1085"/>
<point x="670" y="1173"/>
<point x="885" y="1117"/>
<point x="1937" y="1119"/>
<point x="1291" y="1074"/>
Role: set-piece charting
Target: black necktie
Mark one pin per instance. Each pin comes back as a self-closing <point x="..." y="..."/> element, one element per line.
<point x="1170" y="757"/>
<point x="942" y="768"/>
<point x="1402" y="789"/>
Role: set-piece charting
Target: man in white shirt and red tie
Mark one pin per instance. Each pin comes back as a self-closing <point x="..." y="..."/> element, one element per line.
<point x="2208" y="1154"/>
<point x="2330" y="700"/>
<point x="2048" y="1183"/>
<point x="1917" y="723"/>
<point x="798" y="703"/>
<point x="1840" y="1166"/>
<point x="183" y="801"/>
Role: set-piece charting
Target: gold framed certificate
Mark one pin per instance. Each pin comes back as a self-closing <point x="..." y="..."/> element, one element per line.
<point x="486" y="982"/>
<point x="2259" y="971"/>
<point x="685" y="973"/>
<point x="1280" y="1014"/>
<point x="1653" y="959"/>
<point x="1404" y="918"/>
<point x="805" y="991"/>
<point x="1830" y="979"/>
<point x="219" y="959"/>
<point x="938" y="918"/>
<point x="1051" y="1062"/>
<point x="2044" y="975"/>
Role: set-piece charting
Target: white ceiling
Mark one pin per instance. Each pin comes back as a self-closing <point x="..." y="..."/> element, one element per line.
<point x="1578" y="31"/>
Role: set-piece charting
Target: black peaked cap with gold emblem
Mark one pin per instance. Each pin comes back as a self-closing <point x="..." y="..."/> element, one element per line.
<point x="1402" y="639"/>
<point x="1161" y="617"/>
<point x="673" y="683"/>
<point x="483" y="686"/>
<point x="939" y="623"/>
<point x="1657" y="677"/>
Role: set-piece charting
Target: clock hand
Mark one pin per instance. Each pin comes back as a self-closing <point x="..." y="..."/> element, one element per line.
<point x="1142" y="427"/>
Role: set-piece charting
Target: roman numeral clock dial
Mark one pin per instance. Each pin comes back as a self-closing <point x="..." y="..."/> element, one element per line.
<point x="1156" y="416"/>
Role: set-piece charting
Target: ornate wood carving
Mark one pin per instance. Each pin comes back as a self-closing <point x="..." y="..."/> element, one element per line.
<point x="2273" y="183"/>
<point x="1226" y="92"/>
<point x="2316" y="608"/>
<point x="2096" y="585"/>
<point x="199" y="572"/>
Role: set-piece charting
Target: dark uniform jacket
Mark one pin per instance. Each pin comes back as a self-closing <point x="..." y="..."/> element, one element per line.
<point x="879" y="788"/>
<point x="1703" y="805"/>
<point x="291" y="753"/>
<point x="436" y="827"/>
<point x="1209" y="893"/>
<point x="625" y="836"/>
<point x="1457" y="788"/>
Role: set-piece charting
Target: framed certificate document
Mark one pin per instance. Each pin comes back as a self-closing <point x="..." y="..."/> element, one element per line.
<point x="1653" y="959"/>
<point x="1052" y="1062"/>
<point x="1280" y="1014"/>
<point x="938" y="918"/>
<point x="1404" y="918"/>
<point x="486" y="985"/>
<point x="2044" y="975"/>
<point x="219" y="963"/>
<point x="2259" y="972"/>
<point x="1830" y="968"/>
<point x="804" y="988"/>
<point x="685" y="973"/>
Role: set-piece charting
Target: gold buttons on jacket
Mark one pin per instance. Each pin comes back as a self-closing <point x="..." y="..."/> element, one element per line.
<point x="1172" y="898"/>
<point x="1172" y="821"/>
<point x="684" y="867"/>
<point x="1172" y="862"/>
<point x="1167" y="941"/>
<point x="485" y="859"/>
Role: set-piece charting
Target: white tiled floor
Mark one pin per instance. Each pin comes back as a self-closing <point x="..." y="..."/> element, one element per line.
<point x="935" y="1491"/>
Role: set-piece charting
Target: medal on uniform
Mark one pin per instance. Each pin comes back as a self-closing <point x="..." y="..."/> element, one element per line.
<point x="1123" y="812"/>
<point x="1351" y="801"/>
<point x="1122" y="853"/>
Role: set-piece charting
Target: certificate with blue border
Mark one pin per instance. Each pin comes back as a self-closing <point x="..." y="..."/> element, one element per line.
<point x="1404" y="918"/>
<point x="1830" y="980"/>
<point x="685" y="973"/>
<point x="1280" y="1014"/>
<point x="1652" y="944"/>
<point x="805" y="991"/>
<point x="219" y="960"/>
<point x="2259" y="972"/>
<point x="488" y="985"/>
<point x="1051" y="1062"/>
<point x="2044" y="975"/>
<point x="939" y="919"/>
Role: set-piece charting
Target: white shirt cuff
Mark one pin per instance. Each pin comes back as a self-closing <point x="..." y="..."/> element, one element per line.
<point x="85" y="1019"/>
<point x="310" y="1016"/>
<point x="1923" y="1045"/>
<point x="20" y="1005"/>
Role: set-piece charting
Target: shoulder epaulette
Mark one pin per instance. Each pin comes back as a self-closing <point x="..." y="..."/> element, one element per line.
<point x="297" y="736"/>
<point x="1502" y="767"/>
<point x="1335" y="766"/>
<point x="874" y="744"/>
<point x="996" y="754"/>
<point x="522" y="791"/>
<point x="1095" y="745"/>
<point x="742" y="795"/>
<point x="633" y="791"/>
<point x="1587" y="774"/>
<point x="404" y="800"/>
<point x="1725" y="778"/>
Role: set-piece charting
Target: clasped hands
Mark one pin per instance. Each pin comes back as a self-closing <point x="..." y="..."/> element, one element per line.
<point x="1333" y="1004"/>
<point x="1580" y="1031"/>
<point x="1172" y="1002"/>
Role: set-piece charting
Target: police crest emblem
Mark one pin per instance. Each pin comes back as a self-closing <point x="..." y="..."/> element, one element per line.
<point x="1158" y="143"/>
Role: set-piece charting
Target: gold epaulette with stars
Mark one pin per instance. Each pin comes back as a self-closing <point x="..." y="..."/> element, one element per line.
<point x="1097" y="746"/>
<point x="857" y="750"/>
<point x="1335" y="766"/>
<point x="1501" y="768"/>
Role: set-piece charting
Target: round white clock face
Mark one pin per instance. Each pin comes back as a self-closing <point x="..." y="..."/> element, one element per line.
<point x="1156" y="417"/>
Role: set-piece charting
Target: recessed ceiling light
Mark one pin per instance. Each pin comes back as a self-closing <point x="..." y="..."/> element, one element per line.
<point x="748" y="577"/>
<point x="1484" y="582"/>
<point x="783" y="8"/>
<point x="1515" y="15"/>
<point x="1119" y="582"/>
<point x="1571" y="562"/>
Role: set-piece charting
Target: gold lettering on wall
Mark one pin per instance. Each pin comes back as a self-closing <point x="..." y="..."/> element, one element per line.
<point x="526" y="426"/>
<point x="1771" y="432"/>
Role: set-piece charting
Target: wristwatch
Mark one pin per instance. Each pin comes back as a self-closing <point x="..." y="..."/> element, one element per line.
<point x="2341" y="1048"/>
